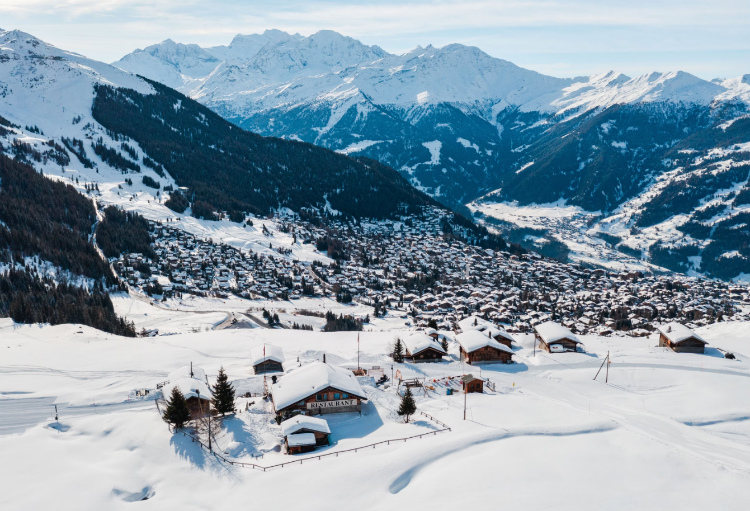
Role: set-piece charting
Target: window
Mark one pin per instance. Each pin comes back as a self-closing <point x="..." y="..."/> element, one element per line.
<point x="319" y="397"/>
<point x="344" y="396"/>
<point x="336" y="395"/>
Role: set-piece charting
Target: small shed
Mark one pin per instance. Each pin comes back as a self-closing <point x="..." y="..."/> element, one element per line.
<point x="471" y="383"/>
<point x="681" y="339"/>
<point x="555" y="338"/>
<point x="302" y="442"/>
<point x="303" y="424"/>
<point x="421" y="347"/>
<point x="477" y="347"/>
<point x="432" y="333"/>
<point x="500" y="335"/>
<point x="267" y="359"/>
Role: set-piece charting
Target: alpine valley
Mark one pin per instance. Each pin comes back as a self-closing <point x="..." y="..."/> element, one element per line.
<point x="641" y="172"/>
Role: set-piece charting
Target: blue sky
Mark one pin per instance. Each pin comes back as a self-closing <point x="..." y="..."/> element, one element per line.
<point x="561" y="38"/>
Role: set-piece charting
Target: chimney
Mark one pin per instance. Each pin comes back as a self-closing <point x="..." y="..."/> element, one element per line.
<point x="324" y="358"/>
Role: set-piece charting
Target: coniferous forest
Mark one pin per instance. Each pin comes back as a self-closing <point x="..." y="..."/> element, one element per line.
<point x="45" y="221"/>
<point x="229" y="169"/>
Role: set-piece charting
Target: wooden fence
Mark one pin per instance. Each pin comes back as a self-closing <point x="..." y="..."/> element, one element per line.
<point x="319" y="456"/>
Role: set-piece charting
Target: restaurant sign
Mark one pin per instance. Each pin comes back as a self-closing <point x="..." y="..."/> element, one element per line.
<point x="340" y="403"/>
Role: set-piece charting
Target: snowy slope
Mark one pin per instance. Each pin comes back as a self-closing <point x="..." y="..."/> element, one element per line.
<point x="590" y="442"/>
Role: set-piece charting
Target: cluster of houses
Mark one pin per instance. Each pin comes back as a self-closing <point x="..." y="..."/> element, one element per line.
<point x="412" y="268"/>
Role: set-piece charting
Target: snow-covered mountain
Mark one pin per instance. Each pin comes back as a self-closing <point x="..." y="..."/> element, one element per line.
<point x="462" y="125"/>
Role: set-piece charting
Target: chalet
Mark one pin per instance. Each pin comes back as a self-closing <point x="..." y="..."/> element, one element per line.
<point x="500" y="335"/>
<point x="472" y="384"/>
<point x="555" y="338"/>
<point x="267" y="359"/>
<point x="474" y="323"/>
<point x="293" y="428"/>
<point x="681" y="339"/>
<point x="420" y="347"/>
<point x="477" y="347"/>
<point x="317" y="388"/>
<point x="193" y="384"/>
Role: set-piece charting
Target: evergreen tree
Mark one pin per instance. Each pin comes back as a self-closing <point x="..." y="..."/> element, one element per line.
<point x="432" y="324"/>
<point x="223" y="399"/>
<point x="408" y="406"/>
<point x="177" y="412"/>
<point x="398" y="351"/>
<point x="444" y="344"/>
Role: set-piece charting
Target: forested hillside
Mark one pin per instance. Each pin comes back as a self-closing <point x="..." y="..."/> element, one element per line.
<point x="229" y="169"/>
<point x="45" y="222"/>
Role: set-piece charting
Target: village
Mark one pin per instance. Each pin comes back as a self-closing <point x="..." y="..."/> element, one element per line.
<point x="412" y="270"/>
<point x="301" y="399"/>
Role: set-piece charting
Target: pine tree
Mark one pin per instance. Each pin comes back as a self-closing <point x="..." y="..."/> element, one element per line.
<point x="223" y="391"/>
<point x="444" y="344"/>
<point x="177" y="412"/>
<point x="408" y="406"/>
<point x="398" y="351"/>
<point x="432" y="324"/>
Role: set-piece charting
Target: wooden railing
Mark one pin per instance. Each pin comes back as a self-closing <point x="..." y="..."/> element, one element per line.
<point x="317" y="457"/>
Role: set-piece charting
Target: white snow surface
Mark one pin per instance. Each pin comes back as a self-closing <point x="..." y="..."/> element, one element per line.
<point x="592" y="443"/>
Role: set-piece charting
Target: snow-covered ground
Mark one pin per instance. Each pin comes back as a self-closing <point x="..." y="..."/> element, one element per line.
<point x="668" y="431"/>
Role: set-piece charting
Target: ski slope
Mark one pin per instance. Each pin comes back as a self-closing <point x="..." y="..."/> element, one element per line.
<point x="667" y="430"/>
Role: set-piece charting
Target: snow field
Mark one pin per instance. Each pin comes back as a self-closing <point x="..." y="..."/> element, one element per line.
<point x="668" y="430"/>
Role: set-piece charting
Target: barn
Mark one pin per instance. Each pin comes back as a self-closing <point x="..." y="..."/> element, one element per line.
<point x="555" y="338"/>
<point x="421" y="347"/>
<point x="477" y="347"/>
<point x="267" y="359"/>
<point x="304" y="425"/>
<point x="681" y="339"/>
<point x="317" y="388"/>
<point x="192" y="383"/>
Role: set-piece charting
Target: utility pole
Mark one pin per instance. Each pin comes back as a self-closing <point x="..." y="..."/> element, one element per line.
<point x="464" y="385"/>
<point x="56" y="419"/>
<point x="609" y="361"/>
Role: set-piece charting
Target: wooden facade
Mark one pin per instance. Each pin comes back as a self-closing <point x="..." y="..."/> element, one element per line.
<point x="198" y="407"/>
<point x="472" y="384"/>
<point x="426" y="355"/>
<point x="486" y="354"/>
<point x="503" y="340"/>
<point x="565" y="343"/>
<point x="268" y="366"/>
<point x="328" y="400"/>
<point x="689" y="345"/>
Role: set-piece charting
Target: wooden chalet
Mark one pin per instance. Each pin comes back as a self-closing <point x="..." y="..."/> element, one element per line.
<point x="472" y="384"/>
<point x="500" y="335"/>
<point x="477" y="347"/>
<point x="420" y="347"/>
<point x="193" y="384"/>
<point x="317" y="388"/>
<point x="267" y="359"/>
<point x="681" y="339"/>
<point x="555" y="338"/>
<point x="299" y="425"/>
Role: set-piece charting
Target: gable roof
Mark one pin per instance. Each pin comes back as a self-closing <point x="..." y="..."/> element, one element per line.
<point x="418" y="342"/>
<point x="473" y="340"/>
<point x="298" y="422"/>
<point x="184" y="372"/>
<point x="677" y="333"/>
<point x="260" y="354"/>
<point x="496" y="331"/>
<point x="551" y="332"/>
<point x="312" y="378"/>
<point x="190" y="387"/>
<point x="300" y="439"/>
<point x="467" y="324"/>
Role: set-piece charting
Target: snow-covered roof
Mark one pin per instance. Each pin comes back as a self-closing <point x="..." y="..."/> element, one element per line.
<point x="467" y="324"/>
<point x="420" y="341"/>
<point x="298" y="422"/>
<point x="430" y="331"/>
<point x="184" y="372"/>
<point x="190" y="387"/>
<point x="301" y="439"/>
<point x="496" y="331"/>
<point x="260" y="354"/>
<point x="551" y="332"/>
<point x="473" y="340"/>
<point x="307" y="380"/>
<point x="678" y="333"/>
